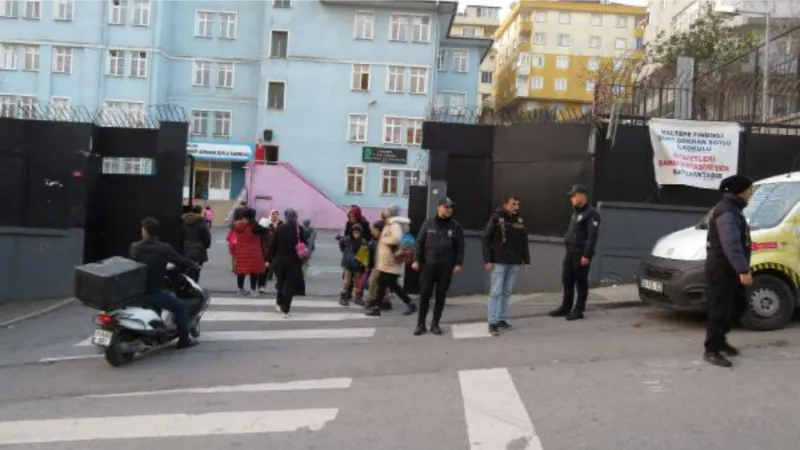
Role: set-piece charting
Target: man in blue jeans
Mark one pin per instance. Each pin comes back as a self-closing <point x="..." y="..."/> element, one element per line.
<point x="505" y="250"/>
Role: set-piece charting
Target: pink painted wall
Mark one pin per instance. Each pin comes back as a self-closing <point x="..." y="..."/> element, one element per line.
<point x="288" y="188"/>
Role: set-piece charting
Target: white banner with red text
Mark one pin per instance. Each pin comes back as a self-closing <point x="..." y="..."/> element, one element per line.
<point x="694" y="153"/>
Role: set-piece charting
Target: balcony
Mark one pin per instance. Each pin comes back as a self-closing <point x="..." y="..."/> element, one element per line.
<point x="522" y="91"/>
<point x="525" y="28"/>
<point x="524" y="69"/>
<point x="524" y="47"/>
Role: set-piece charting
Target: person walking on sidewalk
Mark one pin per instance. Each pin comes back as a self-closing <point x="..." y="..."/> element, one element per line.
<point x="727" y="267"/>
<point x="355" y="258"/>
<point x="196" y="239"/>
<point x="505" y="250"/>
<point x="440" y="254"/>
<point x="580" y="241"/>
<point x="286" y="259"/>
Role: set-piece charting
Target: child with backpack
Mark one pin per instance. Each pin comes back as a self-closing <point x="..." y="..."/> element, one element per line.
<point x="355" y="259"/>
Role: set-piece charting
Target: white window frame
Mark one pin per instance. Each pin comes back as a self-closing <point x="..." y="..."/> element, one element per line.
<point x="117" y="12"/>
<point x="564" y="18"/>
<point x="285" y="96"/>
<point x="357" y="127"/>
<point x="595" y="20"/>
<point x="201" y="26"/>
<point x="198" y="122"/>
<point x="9" y="56"/>
<point x="622" y="21"/>
<point x="417" y="75"/>
<point x="396" y="79"/>
<point x="484" y="76"/>
<point x="598" y="40"/>
<point x="461" y="57"/>
<point x="67" y="56"/>
<point x="539" y="39"/>
<point x="455" y="101"/>
<point x="524" y="60"/>
<point x="9" y="9"/>
<point x="562" y="62"/>
<point x="228" y="29"/>
<point x="409" y="181"/>
<point x="472" y="32"/>
<point x="540" y="16"/>
<point x="68" y="10"/>
<point x="593" y="65"/>
<point x="127" y="107"/>
<point x="590" y="85"/>
<point x="537" y="83"/>
<point x="226" y="78"/>
<point x="397" y="126"/>
<point x="218" y="118"/>
<point x="141" y="13"/>
<point x="33" y="10"/>
<point x="139" y="66"/>
<point x="359" y="177"/>
<point x="562" y="43"/>
<point x="60" y="103"/>
<point x="620" y="44"/>
<point x="357" y="73"/>
<point x="31" y="54"/>
<point x="115" y="62"/>
<point x="364" y="30"/>
<point x="557" y="84"/>
<point x="385" y="178"/>
<point x="281" y="4"/>
<point x="271" y="37"/>
<point x="441" y="60"/>
<point x="397" y="21"/>
<point x="420" y="32"/>
<point x="414" y="126"/>
<point x="205" y="80"/>
<point x="537" y="60"/>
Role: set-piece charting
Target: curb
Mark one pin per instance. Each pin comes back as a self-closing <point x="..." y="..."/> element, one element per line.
<point x="37" y="313"/>
<point x="596" y="307"/>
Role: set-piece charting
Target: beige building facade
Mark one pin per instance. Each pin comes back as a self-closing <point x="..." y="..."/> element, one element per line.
<point x="480" y="22"/>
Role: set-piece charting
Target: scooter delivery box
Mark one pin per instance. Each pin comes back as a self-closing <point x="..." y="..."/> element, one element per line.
<point x="104" y="284"/>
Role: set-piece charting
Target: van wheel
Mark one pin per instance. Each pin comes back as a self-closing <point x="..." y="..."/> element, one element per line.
<point x="113" y="355"/>
<point x="770" y="304"/>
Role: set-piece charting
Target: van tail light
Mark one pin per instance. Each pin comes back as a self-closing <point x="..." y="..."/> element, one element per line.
<point x="106" y="320"/>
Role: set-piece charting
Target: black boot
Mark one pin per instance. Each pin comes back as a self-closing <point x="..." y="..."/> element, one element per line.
<point x="420" y="330"/>
<point x="730" y="350"/>
<point x="344" y="299"/>
<point x="386" y="306"/>
<point x="435" y="329"/>
<point x="716" y="359"/>
<point x="575" y="315"/>
<point x="503" y="325"/>
<point x="411" y="308"/>
<point x="373" y="309"/>
<point x="359" y="302"/>
<point x="559" y="312"/>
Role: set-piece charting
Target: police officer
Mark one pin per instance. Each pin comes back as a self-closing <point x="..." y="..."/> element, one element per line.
<point x="580" y="240"/>
<point x="440" y="254"/>
<point x="727" y="267"/>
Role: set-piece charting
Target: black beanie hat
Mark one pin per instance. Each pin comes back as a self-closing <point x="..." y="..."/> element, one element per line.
<point x="735" y="184"/>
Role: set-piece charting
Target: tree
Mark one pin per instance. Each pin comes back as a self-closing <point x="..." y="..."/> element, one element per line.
<point x="612" y="79"/>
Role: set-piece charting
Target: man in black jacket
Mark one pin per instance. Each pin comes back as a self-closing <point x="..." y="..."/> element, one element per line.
<point x="155" y="254"/>
<point x="505" y="250"/>
<point x="196" y="238"/>
<point x="580" y="241"/>
<point x="727" y="267"/>
<point x="440" y="254"/>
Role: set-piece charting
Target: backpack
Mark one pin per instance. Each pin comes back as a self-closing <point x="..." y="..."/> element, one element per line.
<point x="405" y="251"/>
<point x="301" y="247"/>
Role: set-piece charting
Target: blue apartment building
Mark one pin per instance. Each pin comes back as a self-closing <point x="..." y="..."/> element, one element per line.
<point x="341" y="88"/>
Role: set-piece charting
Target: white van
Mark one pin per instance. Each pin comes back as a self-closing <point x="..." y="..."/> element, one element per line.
<point x="673" y="275"/>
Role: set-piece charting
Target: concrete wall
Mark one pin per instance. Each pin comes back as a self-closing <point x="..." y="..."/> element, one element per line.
<point x="38" y="263"/>
<point x="629" y="232"/>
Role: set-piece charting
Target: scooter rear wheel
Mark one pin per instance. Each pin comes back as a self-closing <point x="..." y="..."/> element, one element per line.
<point x="113" y="355"/>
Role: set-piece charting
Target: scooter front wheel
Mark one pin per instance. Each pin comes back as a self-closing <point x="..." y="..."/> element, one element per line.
<point x="195" y="331"/>
<point x="114" y="356"/>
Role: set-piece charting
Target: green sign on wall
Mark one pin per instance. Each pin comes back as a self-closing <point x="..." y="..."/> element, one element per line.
<point x="384" y="155"/>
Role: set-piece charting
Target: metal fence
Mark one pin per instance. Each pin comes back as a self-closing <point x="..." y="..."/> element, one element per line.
<point x="483" y="115"/>
<point x="150" y="116"/>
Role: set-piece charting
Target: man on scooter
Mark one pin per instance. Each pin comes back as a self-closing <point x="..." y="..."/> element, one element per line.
<point x="155" y="254"/>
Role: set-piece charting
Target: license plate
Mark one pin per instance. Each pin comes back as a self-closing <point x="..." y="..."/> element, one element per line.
<point x="102" y="338"/>
<point x="651" y="285"/>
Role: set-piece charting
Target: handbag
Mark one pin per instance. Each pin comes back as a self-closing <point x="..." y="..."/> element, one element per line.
<point x="301" y="248"/>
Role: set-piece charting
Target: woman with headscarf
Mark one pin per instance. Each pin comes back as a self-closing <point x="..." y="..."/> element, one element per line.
<point x="248" y="257"/>
<point x="387" y="264"/>
<point x="286" y="259"/>
<point x="311" y="239"/>
<point x="271" y="224"/>
<point x="355" y="216"/>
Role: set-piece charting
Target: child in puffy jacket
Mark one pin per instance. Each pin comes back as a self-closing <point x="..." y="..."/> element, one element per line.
<point x="355" y="259"/>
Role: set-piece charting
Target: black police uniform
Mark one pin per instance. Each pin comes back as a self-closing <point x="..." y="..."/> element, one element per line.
<point x="440" y="247"/>
<point x="580" y="240"/>
<point x="727" y="256"/>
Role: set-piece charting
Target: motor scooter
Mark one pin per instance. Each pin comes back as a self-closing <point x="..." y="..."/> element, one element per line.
<point x="137" y="327"/>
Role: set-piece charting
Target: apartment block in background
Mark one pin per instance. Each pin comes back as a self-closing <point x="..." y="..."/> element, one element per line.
<point x="480" y="22"/>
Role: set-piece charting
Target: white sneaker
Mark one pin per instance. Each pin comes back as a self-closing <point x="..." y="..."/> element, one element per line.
<point x="244" y="292"/>
<point x="278" y="308"/>
<point x="286" y="316"/>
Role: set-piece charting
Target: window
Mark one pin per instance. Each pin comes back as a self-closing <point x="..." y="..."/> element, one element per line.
<point x="360" y="81"/>
<point x="128" y="114"/>
<point x="561" y="84"/>
<point x="596" y="20"/>
<point x="593" y="64"/>
<point x="278" y="44"/>
<point x="9" y="9"/>
<point x="540" y="16"/>
<point x="538" y="60"/>
<point x="23" y="106"/>
<point x="398" y="28"/>
<point x="8" y="57"/>
<point x="128" y="166"/>
<point x="537" y="83"/>
<point x="116" y="12"/>
<point x="62" y="59"/>
<point x="60" y="104"/>
<point x="590" y="86"/>
<point x="461" y="61"/>
<point x="141" y="13"/>
<point x="539" y="39"/>
<point x="227" y="25"/>
<point x="468" y="32"/>
<point x="421" y="29"/>
<point x="441" y="60"/>
<point x="562" y="62"/>
<point x="410" y="178"/>
<point x="770" y="204"/>
<point x="395" y="80"/>
<point x="419" y="80"/>
<point x="116" y="63"/>
<point x="138" y="65"/>
<point x="564" y="40"/>
<point x="414" y="132"/>
<point x="392" y="130"/>
<point x="354" y="180"/>
<point x="201" y="73"/>
<point x="276" y="95"/>
<point x="281" y="3"/>
<point x="203" y="21"/>
<point x="486" y="76"/>
<point x="389" y="181"/>
<point x="225" y="75"/>
<point x="222" y="123"/>
<point x="64" y="10"/>
<point x="357" y="128"/>
<point x="31" y="58"/>
<point x="524" y="60"/>
<point x="364" y="25"/>
<point x="33" y="10"/>
<point x="622" y="21"/>
<point x="618" y="64"/>
<point x="564" y="18"/>
<point x="594" y="41"/>
<point x="618" y="88"/>
<point x="199" y="124"/>
<point x="620" y="44"/>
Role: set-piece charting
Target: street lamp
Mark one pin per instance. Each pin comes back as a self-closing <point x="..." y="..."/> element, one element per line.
<point x="728" y="11"/>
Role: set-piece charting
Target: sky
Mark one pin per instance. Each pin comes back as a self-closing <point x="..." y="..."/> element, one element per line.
<point x="504" y="3"/>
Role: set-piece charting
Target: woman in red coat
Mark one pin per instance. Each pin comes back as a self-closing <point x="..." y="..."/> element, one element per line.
<point x="247" y="252"/>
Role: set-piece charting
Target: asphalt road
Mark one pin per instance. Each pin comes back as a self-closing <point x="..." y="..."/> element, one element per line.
<point x="326" y="378"/>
